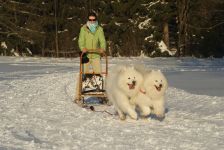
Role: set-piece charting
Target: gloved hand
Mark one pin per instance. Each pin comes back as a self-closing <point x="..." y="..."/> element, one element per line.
<point x="101" y="50"/>
<point x="84" y="50"/>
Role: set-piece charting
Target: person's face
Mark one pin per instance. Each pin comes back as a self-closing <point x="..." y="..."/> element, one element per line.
<point x="92" y="19"/>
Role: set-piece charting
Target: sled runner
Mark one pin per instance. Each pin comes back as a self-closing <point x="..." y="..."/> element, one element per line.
<point x="92" y="84"/>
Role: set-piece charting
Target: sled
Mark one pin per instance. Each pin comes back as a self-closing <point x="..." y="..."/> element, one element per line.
<point x="92" y="85"/>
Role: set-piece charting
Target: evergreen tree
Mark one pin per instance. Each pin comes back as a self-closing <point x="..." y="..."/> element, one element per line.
<point x="206" y="28"/>
<point x="51" y="28"/>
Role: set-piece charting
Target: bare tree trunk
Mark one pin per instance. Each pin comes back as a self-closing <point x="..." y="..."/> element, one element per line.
<point x="15" y="21"/>
<point x="56" y="28"/>
<point x="166" y="31"/>
<point x="166" y="34"/>
<point x="183" y="9"/>
<point x="43" y="47"/>
<point x="15" y="14"/>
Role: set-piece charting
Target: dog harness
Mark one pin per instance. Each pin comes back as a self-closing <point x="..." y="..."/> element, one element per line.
<point x="142" y="91"/>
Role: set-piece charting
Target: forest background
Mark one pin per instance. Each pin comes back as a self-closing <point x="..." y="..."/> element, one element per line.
<point x="132" y="27"/>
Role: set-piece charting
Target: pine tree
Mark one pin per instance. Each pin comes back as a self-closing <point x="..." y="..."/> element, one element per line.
<point x="51" y="28"/>
<point x="206" y="28"/>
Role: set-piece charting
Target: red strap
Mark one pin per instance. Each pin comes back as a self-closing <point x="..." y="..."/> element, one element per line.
<point x="142" y="91"/>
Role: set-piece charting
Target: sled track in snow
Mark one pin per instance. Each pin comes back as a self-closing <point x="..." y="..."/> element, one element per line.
<point x="38" y="102"/>
<point x="39" y="113"/>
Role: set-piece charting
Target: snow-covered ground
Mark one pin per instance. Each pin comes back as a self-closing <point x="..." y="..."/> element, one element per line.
<point x="37" y="109"/>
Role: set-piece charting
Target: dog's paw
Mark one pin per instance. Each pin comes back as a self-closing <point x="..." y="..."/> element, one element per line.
<point x="134" y="116"/>
<point x="160" y="117"/>
<point x="122" y="117"/>
<point x="144" y="117"/>
<point x="157" y="117"/>
<point x="145" y="112"/>
<point x="160" y="113"/>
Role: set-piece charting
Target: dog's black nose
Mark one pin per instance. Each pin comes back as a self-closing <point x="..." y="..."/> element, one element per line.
<point x="134" y="82"/>
<point x="160" y="85"/>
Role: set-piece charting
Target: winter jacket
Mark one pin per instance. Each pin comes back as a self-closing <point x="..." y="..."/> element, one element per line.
<point x="92" y="41"/>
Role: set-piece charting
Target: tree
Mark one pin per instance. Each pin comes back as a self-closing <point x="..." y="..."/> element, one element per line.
<point x="17" y="20"/>
<point x="51" y="28"/>
<point x="206" y="28"/>
<point x="183" y="12"/>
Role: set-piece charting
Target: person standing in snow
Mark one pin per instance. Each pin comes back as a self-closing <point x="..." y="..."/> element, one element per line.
<point x="91" y="38"/>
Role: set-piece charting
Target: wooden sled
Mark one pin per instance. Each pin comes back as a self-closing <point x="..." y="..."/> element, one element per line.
<point x="92" y="85"/>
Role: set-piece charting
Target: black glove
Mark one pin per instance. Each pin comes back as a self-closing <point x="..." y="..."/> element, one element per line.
<point x="85" y="59"/>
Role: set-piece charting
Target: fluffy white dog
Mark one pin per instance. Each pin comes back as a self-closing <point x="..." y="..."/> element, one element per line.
<point x="151" y="95"/>
<point x="123" y="83"/>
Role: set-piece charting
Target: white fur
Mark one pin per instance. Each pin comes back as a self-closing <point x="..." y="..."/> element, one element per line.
<point x="150" y="99"/>
<point x="119" y="92"/>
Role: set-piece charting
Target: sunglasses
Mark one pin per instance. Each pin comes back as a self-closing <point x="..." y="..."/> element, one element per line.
<point x="92" y="19"/>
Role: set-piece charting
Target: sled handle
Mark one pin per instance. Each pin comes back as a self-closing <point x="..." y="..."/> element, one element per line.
<point x="92" y="51"/>
<point x="95" y="51"/>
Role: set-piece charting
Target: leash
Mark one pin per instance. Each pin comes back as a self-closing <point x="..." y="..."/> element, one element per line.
<point x="92" y="108"/>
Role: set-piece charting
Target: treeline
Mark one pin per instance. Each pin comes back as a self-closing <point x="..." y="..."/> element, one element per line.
<point x="132" y="27"/>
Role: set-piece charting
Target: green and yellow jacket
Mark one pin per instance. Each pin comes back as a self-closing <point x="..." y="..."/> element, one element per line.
<point x="91" y="41"/>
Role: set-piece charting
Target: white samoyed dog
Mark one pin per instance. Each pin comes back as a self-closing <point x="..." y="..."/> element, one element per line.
<point x="123" y="83"/>
<point x="150" y="98"/>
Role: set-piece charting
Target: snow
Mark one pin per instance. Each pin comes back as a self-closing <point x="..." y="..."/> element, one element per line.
<point x="144" y="24"/>
<point x="3" y="45"/>
<point x="29" y="51"/>
<point x="148" y="37"/>
<point x="37" y="109"/>
<point x="149" y="5"/>
<point x="74" y="38"/>
<point x="118" y="24"/>
<point x="163" y="48"/>
<point x="14" y="52"/>
<point x="65" y="30"/>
